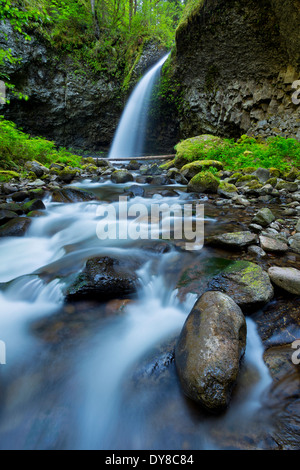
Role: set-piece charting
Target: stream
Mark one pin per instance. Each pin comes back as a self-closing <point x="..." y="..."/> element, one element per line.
<point x="80" y="377"/>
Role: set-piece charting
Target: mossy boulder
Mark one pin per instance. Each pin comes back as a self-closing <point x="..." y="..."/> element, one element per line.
<point x="264" y="217"/>
<point x="254" y="185"/>
<point x="272" y="181"/>
<point x="68" y="174"/>
<point x="195" y="148"/>
<point x="233" y="241"/>
<point x="192" y="169"/>
<point x="292" y="175"/>
<point x="34" y="205"/>
<point x="288" y="186"/>
<point x="227" y="190"/>
<point x="204" y="182"/>
<point x="6" y="176"/>
<point x="246" y="283"/>
<point x="245" y="179"/>
<point x="275" y="173"/>
<point x="248" y="171"/>
<point x="121" y="177"/>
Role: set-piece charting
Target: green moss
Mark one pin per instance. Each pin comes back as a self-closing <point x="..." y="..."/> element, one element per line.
<point x="195" y="148"/>
<point x="168" y="165"/>
<point x="204" y="182"/>
<point x="272" y="182"/>
<point x="227" y="187"/>
<point x="6" y="176"/>
<point x="246" y="178"/>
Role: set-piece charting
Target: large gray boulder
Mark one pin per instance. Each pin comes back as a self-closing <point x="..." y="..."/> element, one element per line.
<point x="209" y="350"/>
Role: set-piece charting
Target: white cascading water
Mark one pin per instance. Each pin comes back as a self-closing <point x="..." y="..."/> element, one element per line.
<point x="60" y="241"/>
<point x="130" y="135"/>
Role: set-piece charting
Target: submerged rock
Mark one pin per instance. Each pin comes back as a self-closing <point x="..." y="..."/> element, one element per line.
<point x="286" y="278"/>
<point x="210" y="348"/>
<point x="246" y="283"/>
<point x="104" y="278"/>
<point x="72" y="195"/>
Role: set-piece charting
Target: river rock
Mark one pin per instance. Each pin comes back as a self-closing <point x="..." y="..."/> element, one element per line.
<point x="286" y="278"/>
<point x="6" y="216"/>
<point x="34" y="205"/>
<point x="257" y="250"/>
<point x="104" y="278"/>
<point x="262" y="174"/>
<point x="20" y="196"/>
<point x="294" y="243"/>
<point x="209" y="350"/>
<point x="233" y="241"/>
<point x="121" y="177"/>
<point x="37" y="168"/>
<point x="273" y="245"/>
<point x="246" y="283"/>
<point x="264" y="217"/>
<point x="72" y="195"/>
<point x="15" y="227"/>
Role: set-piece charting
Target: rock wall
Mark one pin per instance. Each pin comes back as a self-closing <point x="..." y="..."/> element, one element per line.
<point x="73" y="109"/>
<point x="236" y="62"/>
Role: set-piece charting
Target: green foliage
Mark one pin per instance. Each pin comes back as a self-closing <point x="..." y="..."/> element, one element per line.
<point x="276" y="152"/>
<point x="16" y="147"/>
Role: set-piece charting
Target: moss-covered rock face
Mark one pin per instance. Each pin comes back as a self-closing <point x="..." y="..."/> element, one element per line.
<point x="195" y="148"/>
<point x="68" y="174"/>
<point x="204" y="182"/>
<point x="287" y="186"/>
<point x="167" y="166"/>
<point x="6" y="176"/>
<point x="121" y="177"/>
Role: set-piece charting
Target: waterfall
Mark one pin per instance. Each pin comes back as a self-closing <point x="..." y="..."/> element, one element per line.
<point x="130" y="136"/>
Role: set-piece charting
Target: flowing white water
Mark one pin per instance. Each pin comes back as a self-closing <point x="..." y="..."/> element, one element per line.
<point x="130" y="136"/>
<point x="56" y="246"/>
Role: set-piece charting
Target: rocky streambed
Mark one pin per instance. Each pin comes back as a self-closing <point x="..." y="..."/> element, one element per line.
<point x="141" y="344"/>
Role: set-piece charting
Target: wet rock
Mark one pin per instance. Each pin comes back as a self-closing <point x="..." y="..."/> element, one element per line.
<point x="72" y="195"/>
<point x="233" y="241"/>
<point x="20" y="196"/>
<point x="246" y="283"/>
<point x="6" y="216"/>
<point x="135" y="190"/>
<point x="121" y="177"/>
<point x="273" y="245"/>
<point x="15" y="227"/>
<point x="255" y="228"/>
<point x="257" y="251"/>
<point x="286" y="278"/>
<point x="104" y="278"/>
<point x="264" y="217"/>
<point x="133" y="165"/>
<point x="12" y="207"/>
<point x="210" y="348"/>
<point x="34" y="205"/>
<point x="287" y="186"/>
